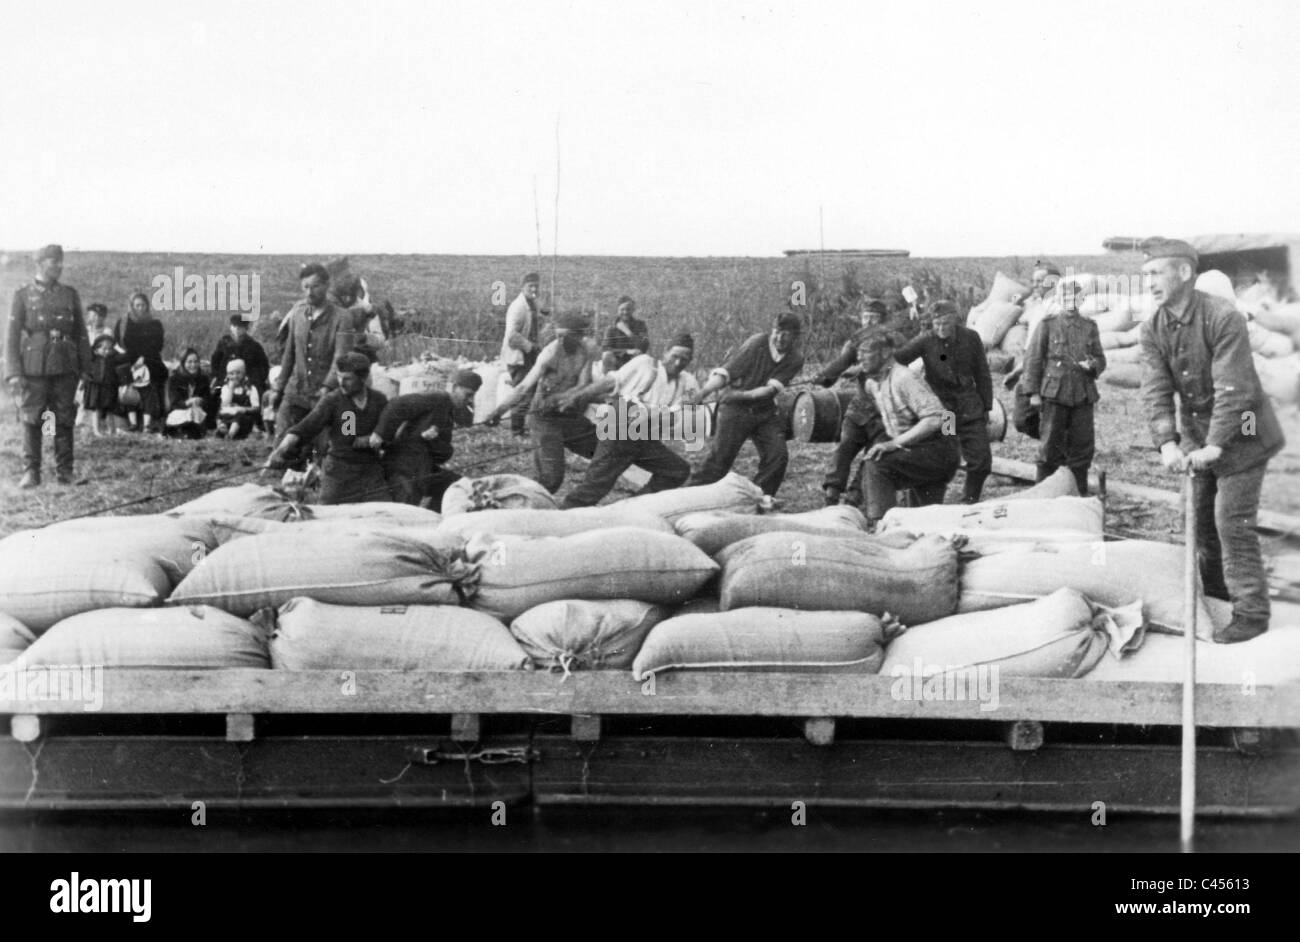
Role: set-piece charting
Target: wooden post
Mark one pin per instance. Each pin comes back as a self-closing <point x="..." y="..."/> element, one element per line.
<point x="239" y="727"/>
<point x="1187" y="804"/>
<point x="465" y="727"/>
<point x="819" y="730"/>
<point x="585" y="728"/>
<point x="1023" y="735"/>
<point x="25" y="727"/>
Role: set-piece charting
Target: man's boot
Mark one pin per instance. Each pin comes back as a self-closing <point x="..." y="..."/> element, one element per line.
<point x="1081" y="479"/>
<point x="1241" y="628"/>
<point x="1043" y="472"/>
<point x="63" y="435"/>
<point x="31" y="455"/>
<point x="973" y="488"/>
<point x="832" y="496"/>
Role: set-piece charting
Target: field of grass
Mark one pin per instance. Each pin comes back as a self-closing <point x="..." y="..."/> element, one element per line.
<point x="720" y="300"/>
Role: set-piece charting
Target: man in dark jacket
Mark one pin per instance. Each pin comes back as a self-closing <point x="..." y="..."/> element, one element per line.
<point x="1062" y="363"/>
<point x="958" y="372"/>
<point x="414" y="433"/>
<point x="1196" y="345"/>
<point x="238" y="345"/>
<point x="352" y="472"/>
<point x="47" y="352"/>
<point x="861" y="426"/>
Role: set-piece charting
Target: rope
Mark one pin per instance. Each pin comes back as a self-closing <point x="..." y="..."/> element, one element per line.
<point x="144" y="500"/>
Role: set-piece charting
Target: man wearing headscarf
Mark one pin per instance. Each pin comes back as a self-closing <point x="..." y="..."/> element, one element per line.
<point x="46" y="354"/>
<point x="414" y="434"/>
<point x="557" y="382"/>
<point x="649" y="399"/>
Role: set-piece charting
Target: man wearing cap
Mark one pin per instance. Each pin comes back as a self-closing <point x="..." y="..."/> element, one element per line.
<point x="520" y="348"/>
<point x="915" y="454"/>
<point x="352" y="472"/>
<point x="47" y="353"/>
<point x="558" y="382"/>
<point x="957" y="370"/>
<point x="649" y="395"/>
<point x="861" y="425"/>
<point x="624" y="339"/>
<point x="748" y="384"/>
<point x="1196" y="345"/>
<point x="237" y="344"/>
<point x="1062" y="362"/>
<point x="414" y="434"/>
<point x="306" y="366"/>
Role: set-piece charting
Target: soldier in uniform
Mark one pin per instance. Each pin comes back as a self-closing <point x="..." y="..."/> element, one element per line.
<point x="47" y="353"/>
<point x="1062" y="364"/>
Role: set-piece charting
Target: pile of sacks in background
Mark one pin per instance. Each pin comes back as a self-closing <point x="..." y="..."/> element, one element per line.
<point x="433" y="373"/>
<point x="693" y="578"/>
<point x="1274" y="329"/>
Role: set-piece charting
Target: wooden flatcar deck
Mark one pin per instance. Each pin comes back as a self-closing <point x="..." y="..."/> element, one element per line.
<point x="428" y="739"/>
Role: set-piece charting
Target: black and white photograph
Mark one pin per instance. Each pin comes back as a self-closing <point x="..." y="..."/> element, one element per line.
<point x="724" y="427"/>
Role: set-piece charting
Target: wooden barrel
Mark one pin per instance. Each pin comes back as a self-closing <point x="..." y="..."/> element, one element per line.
<point x="997" y="422"/>
<point x="817" y="414"/>
<point x="785" y="409"/>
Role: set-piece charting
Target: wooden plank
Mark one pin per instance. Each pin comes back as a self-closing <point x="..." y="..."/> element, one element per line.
<point x="158" y="772"/>
<point x="466" y="727"/>
<point x="819" y="730"/>
<point x="1024" y="471"/>
<point x="25" y="727"/>
<point x="907" y="774"/>
<point x="585" y="728"/>
<point x="681" y="693"/>
<point x="239" y="727"/>
<point x="1023" y="735"/>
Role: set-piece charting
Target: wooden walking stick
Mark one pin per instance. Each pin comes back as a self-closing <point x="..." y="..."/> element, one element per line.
<point x="1187" y="815"/>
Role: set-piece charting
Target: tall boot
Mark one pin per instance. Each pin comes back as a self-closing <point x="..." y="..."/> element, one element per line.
<point x="31" y="454"/>
<point x="1044" y="471"/>
<point x="63" y="436"/>
<point x="1081" y="478"/>
<point x="973" y="488"/>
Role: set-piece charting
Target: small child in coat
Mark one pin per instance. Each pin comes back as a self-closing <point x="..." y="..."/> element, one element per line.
<point x="100" y="393"/>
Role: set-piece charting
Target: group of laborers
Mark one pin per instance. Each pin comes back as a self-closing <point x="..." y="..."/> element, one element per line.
<point x="915" y="428"/>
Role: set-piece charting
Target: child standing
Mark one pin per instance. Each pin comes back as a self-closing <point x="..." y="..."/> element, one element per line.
<point x="100" y="397"/>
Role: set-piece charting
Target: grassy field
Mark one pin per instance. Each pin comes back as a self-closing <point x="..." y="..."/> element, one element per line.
<point x="720" y="300"/>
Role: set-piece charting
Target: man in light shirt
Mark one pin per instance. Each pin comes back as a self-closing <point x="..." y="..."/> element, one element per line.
<point x="520" y="346"/>
<point x="649" y="395"/>
<point x="919" y="454"/>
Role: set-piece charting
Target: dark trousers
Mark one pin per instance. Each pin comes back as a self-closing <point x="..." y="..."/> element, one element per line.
<point x="738" y="423"/>
<point x="1232" y="566"/>
<point x="854" y="438"/>
<point x="517" y="372"/>
<point x="614" y="456"/>
<point x="415" y="476"/>
<point x="352" y="482"/>
<point x="977" y="453"/>
<point x="925" y="468"/>
<point x="1066" y="440"/>
<point x="552" y="433"/>
<point x="56" y="397"/>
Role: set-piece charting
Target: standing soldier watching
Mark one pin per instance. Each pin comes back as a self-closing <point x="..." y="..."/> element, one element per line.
<point x="1062" y="364"/>
<point x="957" y="370"/>
<point x="1196" y="345"/>
<point x="519" y="348"/>
<point x="46" y="354"/>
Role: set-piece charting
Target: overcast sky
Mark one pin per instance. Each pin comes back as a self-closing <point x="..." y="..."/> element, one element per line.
<point x="686" y="128"/>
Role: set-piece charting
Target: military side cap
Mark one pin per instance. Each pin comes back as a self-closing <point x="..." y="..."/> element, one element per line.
<point x="1160" y="247"/>
<point x="49" y="251"/>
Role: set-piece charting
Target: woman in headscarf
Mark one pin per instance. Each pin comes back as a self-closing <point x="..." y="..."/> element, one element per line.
<point x="188" y="391"/>
<point x="139" y="336"/>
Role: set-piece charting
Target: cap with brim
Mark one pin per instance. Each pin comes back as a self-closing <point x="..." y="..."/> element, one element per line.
<point x="572" y="322"/>
<point x="876" y="307"/>
<point x="532" y="278"/>
<point x="353" y="362"/>
<point x="1160" y="247"/>
<point x="49" y="251"/>
<point x="683" y="340"/>
<point x="790" y="322"/>
<point x="942" y="308"/>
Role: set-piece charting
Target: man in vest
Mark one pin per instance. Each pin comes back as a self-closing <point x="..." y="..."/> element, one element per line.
<point x="46" y="354"/>
<point x="1196" y="345"/>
